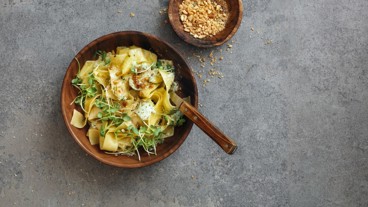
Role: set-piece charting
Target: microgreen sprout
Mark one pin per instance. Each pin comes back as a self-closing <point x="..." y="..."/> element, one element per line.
<point x="103" y="56"/>
<point x="115" y="113"/>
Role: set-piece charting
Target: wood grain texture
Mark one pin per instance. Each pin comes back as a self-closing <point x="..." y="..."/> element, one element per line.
<point x="183" y="76"/>
<point x="225" y="142"/>
<point x="235" y="16"/>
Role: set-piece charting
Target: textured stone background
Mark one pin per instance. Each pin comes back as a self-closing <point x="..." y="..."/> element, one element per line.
<point x="294" y="96"/>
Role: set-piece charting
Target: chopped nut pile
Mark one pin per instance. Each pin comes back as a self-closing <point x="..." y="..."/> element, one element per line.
<point x="203" y="18"/>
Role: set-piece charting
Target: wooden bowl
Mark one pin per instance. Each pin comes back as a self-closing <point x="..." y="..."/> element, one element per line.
<point x="109" y="42"/>
<point x="235" y="16"/>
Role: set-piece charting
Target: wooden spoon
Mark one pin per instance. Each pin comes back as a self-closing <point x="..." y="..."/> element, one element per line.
<point x="225" y="142"/>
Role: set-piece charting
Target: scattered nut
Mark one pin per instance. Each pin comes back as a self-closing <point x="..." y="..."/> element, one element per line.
<point x="163" y="11"/>
<point x="268" y="42"/>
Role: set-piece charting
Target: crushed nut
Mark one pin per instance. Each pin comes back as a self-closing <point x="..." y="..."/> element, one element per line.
<point x="205" y="82"/>
<point x="163" y="11"/>
<point x="215" y="73"/>
<point x="268" y="42"/>
<point x="203" y="18"/>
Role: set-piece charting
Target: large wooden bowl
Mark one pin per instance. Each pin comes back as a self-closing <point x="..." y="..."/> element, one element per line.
<point x="109" y="42"/>
<point x="235" y="16"/>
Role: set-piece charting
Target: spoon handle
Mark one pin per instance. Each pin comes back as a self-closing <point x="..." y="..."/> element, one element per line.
<point x="225" y="142"/>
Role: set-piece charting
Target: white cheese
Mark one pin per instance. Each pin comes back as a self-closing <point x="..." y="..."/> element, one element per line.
<point x="145" y="109"/>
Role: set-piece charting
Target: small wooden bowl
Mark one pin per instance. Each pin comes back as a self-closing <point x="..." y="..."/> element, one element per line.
<point x="109" y="42"/>
<point x="235" y="16"/>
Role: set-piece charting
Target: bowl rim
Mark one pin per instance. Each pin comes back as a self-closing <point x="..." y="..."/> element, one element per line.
<point x="63" y="105"/>
<point x="183" y="35"/>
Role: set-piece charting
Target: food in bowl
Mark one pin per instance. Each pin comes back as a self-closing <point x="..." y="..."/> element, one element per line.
<point x="124" y="97"/>
<point x="203" y="18"/>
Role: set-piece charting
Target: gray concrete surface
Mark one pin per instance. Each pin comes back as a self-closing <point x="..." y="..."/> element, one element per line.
<point x="294" y="96"/>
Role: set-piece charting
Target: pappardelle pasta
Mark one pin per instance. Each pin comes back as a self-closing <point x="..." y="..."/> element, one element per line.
<point x="125" y="97"/>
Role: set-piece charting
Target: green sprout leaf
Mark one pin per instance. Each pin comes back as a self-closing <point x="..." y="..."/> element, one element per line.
<point x="142" y="129"/>
<point x="103" y="56"/>
<point x="135" y="130"/>
<point x="99" y="115"/>
<point x="127" y="118"/>
<point x="133" y="70"/>
<point x="102" y="131"/>
<point x="76" y="81"/>
<point x="180" y="122"/>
